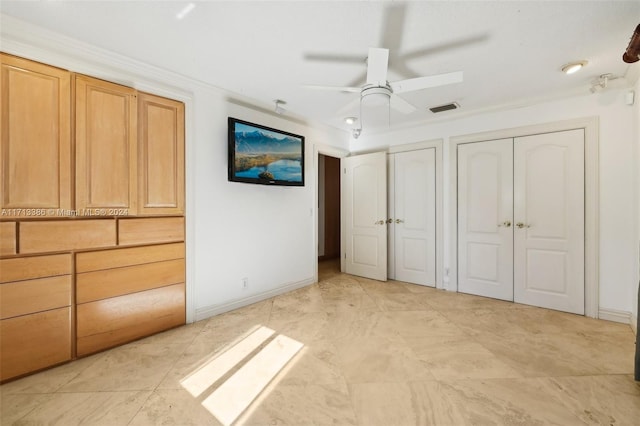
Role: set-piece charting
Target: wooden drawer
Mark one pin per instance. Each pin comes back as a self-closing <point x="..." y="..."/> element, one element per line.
<point x="26" y="297"/>
<point x="26" y="268"/>
<point x="150" y="230"/>
<point x="102" y="284"/>
<point x="7" y="238"/>
<point x="107" y="259"/>
<point x="67" y="235"/>
<point x="110" y="322"/>
<point x="32" y="342"/>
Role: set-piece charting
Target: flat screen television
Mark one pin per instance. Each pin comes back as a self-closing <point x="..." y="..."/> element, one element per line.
<point x="262" y="155"/>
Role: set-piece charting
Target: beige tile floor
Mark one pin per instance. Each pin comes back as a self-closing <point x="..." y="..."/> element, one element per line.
<point x="373" y="354"/>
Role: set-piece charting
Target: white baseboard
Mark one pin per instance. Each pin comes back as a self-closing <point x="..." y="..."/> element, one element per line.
<point x="634" y="324"/>
<point x="614" y="315"/>
<point x="209" y="311"/>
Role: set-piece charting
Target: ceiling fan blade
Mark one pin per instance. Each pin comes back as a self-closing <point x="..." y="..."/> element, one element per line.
<point x="393" y="26"/>
<point x="432" y="50"/>
<point x="333" y="88"/>
<point x="401" y="105"/>
<point x="377" y="66"/>
<point x="426" y="82"/>
<point x="328" y="57"/>
<point x="350" y="107"/>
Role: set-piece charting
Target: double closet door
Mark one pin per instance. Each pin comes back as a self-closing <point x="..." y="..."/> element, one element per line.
<point x="521" y="219"/>
<point x="390" y="218"/>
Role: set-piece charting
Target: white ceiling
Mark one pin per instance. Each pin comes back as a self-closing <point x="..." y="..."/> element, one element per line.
<point x="511" y="52"/>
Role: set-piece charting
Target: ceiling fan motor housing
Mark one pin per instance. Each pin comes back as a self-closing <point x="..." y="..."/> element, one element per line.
<point x="376" y="95"/>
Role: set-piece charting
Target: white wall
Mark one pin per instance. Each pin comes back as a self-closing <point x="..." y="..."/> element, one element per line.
<point x="263" y="233"/>
<point x="234" y="230"/>
<point x="618" y="162"/>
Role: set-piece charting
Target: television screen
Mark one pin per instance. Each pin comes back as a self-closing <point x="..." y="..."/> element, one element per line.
<point x="259" y="154"/>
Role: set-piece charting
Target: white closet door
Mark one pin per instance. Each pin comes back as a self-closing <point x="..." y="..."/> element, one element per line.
<point x="365" y="206"/>
<point x="485" y="216"/>
<point x="414" y="219"/>
<point x="549" y="220"/>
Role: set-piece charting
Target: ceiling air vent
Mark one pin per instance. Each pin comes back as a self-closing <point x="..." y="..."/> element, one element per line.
<point x="442" y="108"/>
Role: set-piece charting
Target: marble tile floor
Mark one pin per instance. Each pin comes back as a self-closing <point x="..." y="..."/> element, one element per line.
<point x="353" y="352"/>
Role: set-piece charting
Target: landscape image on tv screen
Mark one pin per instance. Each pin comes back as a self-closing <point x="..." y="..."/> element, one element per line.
<point x="264" y="155"/>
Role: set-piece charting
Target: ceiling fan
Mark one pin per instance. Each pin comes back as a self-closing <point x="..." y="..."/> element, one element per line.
<point x="378" y="89"/>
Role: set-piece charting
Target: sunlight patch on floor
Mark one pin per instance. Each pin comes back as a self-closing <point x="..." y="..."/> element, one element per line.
<point x="258" y="357"/>
<point x="233" y="397"/>
<point x="203" y="378"/>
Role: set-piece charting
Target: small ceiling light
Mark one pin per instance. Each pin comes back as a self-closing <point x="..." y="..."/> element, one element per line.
<point x="572" y="67"/>
<point x="350" y="120"/>
<point x="279" y="109"/>
<point x="185" y="11"/>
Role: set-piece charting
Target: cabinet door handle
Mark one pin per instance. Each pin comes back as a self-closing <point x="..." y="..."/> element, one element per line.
<point x="380" y="222"/>
<point x="506" y="224"/>
<point x="521" y="225"/>
<point x="389" y="220"/>
<point x="399" y="221"/>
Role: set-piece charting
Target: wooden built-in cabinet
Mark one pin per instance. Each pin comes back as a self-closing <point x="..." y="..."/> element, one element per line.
<point x="35" y="127"/>
<point x="35" y="313"/>
<point x="106" y="149"/>
<point x="92" y="251"/>
<point x="128" y="293"/>
<point x="160" y="155"/>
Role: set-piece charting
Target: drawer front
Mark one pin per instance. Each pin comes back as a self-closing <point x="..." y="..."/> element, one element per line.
<point x="150" y="230"/>
<point x="26" y="297"/>
<point x="25" y="268"/>
<point x="32" y="342"/>
<point x="98" y="285"/>
<point x="110" y="322"/>
<point x="116" y="258"/>
<point x="7" y="238"/>
<point x="67" y="235"/>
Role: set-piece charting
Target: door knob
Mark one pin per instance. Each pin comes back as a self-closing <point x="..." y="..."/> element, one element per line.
<point x="380" y="222"/>
<point x="399" y="221"/>
<point x="389" y="220"/>
<point x="506" y="224"/>
<point x="521" y="225"/>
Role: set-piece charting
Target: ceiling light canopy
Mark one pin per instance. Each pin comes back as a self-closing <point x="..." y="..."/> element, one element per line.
<point x="573" y="67"/>
<point x="350" y="120"/>
<point x="279" y="106"/>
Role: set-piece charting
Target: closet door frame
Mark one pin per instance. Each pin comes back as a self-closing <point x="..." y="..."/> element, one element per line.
<point x="439" y="162"/>
<point x="591" y="158"/>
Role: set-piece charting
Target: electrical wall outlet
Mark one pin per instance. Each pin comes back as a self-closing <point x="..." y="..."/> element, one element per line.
<point x="245" y="283"/>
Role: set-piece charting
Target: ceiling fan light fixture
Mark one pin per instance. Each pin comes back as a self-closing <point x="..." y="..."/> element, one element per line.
<point x="376" y="96"/>
<point x="573" y="67"/>
<point x="350" y="120"/>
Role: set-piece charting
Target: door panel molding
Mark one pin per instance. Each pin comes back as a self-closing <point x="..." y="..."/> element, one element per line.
<point x="440" y="189"/>
<point x="591" y="159"/>
<point x="364" y="199"/>
<point x="413" y="197"/>
<point x="485" y="203"/>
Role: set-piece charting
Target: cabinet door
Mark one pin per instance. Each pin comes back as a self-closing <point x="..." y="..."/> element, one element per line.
<point x="35" y="156"/>
<point x="106" y="163"/>
<point x="160" y="155"/>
